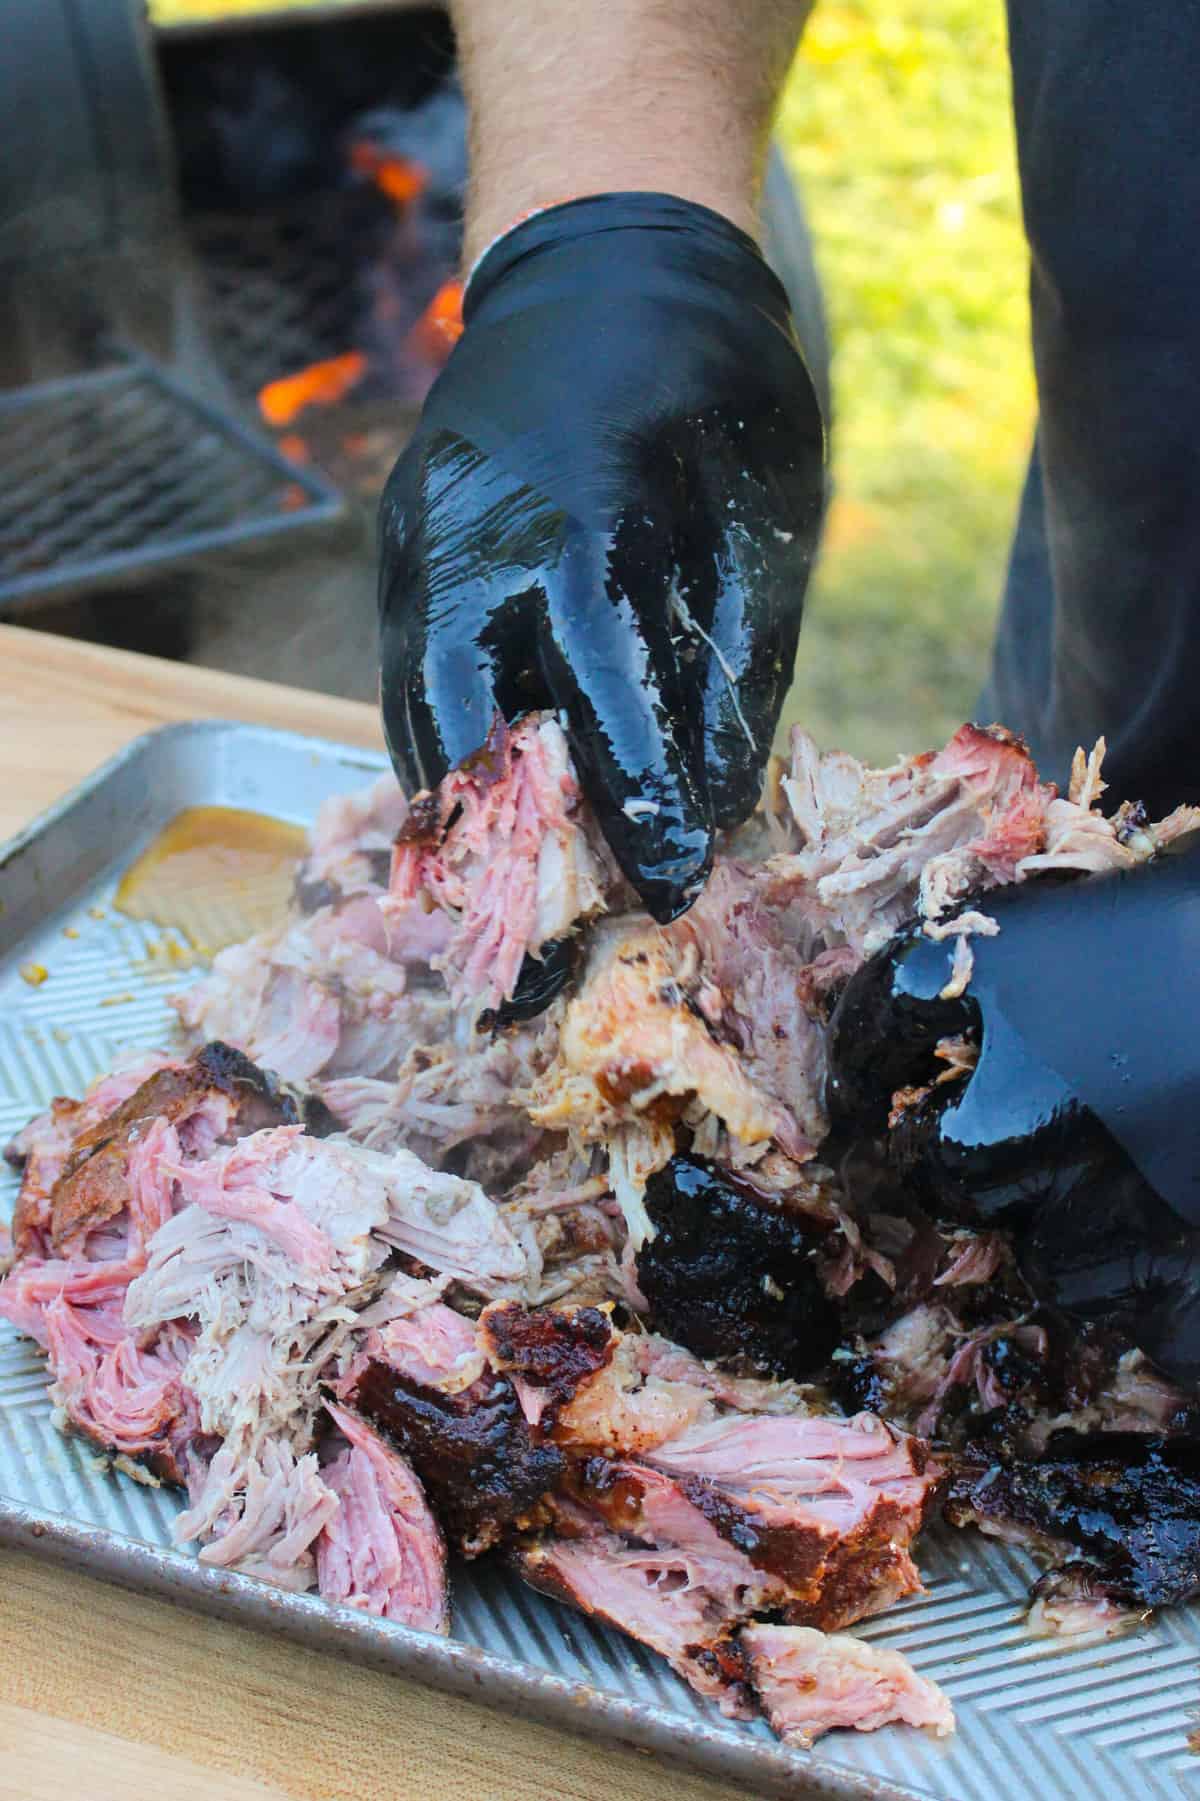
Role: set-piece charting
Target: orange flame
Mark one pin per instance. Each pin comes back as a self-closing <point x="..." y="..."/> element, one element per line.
<point x="295" y="448"/>
<point x="321" y="384"/>
<point x="401" y="180"/>
<point x="440" y="326"/>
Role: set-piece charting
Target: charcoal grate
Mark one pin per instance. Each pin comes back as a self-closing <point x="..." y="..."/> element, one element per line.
<point x="280" y="295"/>
<point x="299" y="285"/>
<point x="121" y="469"/>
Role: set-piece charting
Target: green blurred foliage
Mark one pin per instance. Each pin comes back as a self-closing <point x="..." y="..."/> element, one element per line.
<point x="897" y="121"/>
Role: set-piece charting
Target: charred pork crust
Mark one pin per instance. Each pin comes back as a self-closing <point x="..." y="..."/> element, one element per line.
<point x="91" y="1188"/>
<point x="473" y="1451"/>
<point x="882" y="1040"/>
<point x="263" y="1098"/>
<point x="423" y="824"/>
<point x="859" y="1383"/>
<point x="863" y="1582"/>
<point x="1127" y="1505"/>
<point x="731" y="1274"/>
<point x="551" y="1352"/>
<point x="827" y="1574"/>
<point x="160" y="1462"/>
<point x="724" y="1663"/>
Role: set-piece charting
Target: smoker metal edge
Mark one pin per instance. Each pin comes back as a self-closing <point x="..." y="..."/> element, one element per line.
<point x="324" y="510"/>
<point x="276" y="17"/>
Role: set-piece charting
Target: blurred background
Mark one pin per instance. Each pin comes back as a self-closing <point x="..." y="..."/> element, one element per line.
<point x="897" y="120"/>
<point x="310" y="244"/>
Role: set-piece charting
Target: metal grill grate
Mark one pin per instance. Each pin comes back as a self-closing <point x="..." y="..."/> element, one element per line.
<point x="300" y="285"/>
<point x="281" y="290"/>
<point x="122" y="469"/>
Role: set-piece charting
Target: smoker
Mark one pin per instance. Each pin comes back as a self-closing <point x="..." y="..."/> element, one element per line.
<point x="212" y="234"/>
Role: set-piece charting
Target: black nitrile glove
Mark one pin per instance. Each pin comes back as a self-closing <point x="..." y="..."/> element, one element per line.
<point x="1079" y="1129"/>
<point x="610" y="508"/>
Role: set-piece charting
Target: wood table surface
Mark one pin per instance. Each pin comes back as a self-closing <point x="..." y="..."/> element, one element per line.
<point x="112" y="1696"/>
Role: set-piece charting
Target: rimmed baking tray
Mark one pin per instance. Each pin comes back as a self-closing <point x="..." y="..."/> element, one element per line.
<point x="1109" y="1719"/>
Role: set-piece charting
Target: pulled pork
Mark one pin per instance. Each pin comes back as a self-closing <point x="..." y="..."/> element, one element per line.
<point x="541" y="1261"/>
<point x="504" y="855"/>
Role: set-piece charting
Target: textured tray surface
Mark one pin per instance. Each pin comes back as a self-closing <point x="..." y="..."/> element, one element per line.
<point x="1112" y="1719"/>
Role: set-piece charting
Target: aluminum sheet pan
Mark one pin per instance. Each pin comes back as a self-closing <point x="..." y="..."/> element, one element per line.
<point x="1112" y="1719"/>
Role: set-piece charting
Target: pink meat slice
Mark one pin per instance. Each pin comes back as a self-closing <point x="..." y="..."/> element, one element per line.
<point x="114" y="1388"/>
<point x="124" y="1398"/>
<point x="849" y="1583"/>
<point x="675" y="1601"/>
<point x="836" y="1469"/>
<point x="433" y="1346"/>
<point x="758" y="991"/>
<point x="811" y="1682"/>
<point x="117" y="1382"/>
<point x="254" y="1183"/>
<point x="327" y="994"/>
<point x="641" y="1503"/>
<point x="448" y="1093"/>
<point x="35" y="1283"/>
<point x="353" y="836"/>
<point x="382" y="1551"/>
<point x="964" y="817"/>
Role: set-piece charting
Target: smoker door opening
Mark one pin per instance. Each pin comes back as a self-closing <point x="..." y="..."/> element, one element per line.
<point x="321" y="161"/>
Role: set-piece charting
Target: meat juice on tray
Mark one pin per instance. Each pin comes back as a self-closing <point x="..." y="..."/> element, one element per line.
<point x="214" y="875"/>
<point x="484" y="1216"/>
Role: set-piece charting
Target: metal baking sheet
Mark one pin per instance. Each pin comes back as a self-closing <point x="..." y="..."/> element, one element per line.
<point x="1112" y="1719"/>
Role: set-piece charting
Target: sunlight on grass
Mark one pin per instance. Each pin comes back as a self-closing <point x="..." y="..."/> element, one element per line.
<point x="897" y="122"/>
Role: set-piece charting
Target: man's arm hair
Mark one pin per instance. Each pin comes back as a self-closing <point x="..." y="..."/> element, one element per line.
<point x="574" y="97"/>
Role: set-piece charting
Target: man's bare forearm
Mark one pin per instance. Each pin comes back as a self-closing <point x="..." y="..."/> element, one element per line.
<point x="574" y="97"/>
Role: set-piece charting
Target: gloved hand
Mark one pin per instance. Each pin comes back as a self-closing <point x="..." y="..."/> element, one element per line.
<point x="1079" y="1128"/>
<point x="610" y="507"/>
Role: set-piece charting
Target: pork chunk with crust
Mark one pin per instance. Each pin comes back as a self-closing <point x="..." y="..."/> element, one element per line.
<point x="636" y="1052"/>
<point x="421" y="1382"/>
<point x="672" y="1601"/>
<point x="95" y="1204"/>
<point x="832" y="1506"/>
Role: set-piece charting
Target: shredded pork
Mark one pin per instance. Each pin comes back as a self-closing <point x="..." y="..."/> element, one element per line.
<point x="505" y="857"/>
<point x="353" y="1350"/>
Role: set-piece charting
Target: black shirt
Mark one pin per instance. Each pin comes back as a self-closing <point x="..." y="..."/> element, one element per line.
<point x="1101" y="624"/>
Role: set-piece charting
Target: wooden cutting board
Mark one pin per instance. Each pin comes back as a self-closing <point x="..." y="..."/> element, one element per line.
<point x="109" y="1696"/>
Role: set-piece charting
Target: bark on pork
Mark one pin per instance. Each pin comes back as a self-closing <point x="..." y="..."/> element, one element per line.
<point x="732" y="1274"/>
